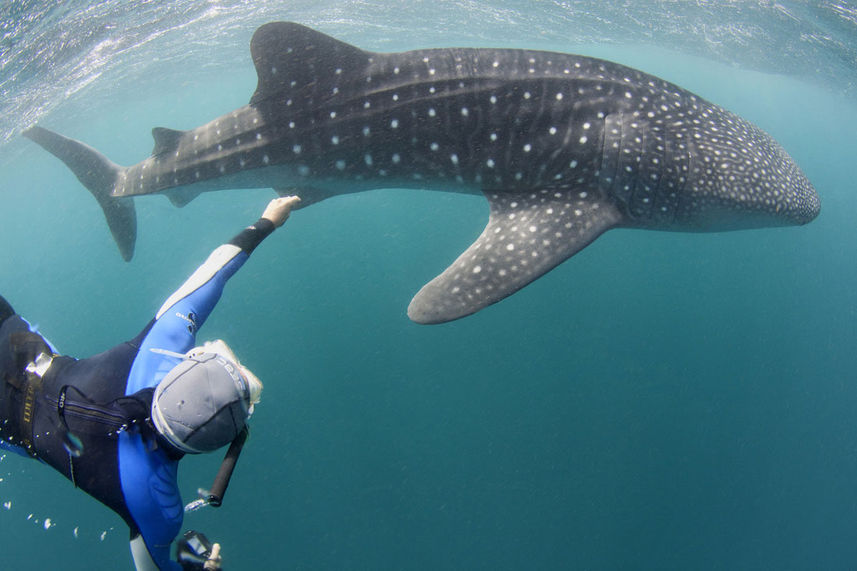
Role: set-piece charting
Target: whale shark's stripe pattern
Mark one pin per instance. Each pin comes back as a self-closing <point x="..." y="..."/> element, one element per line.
<point x="563" y="147"/>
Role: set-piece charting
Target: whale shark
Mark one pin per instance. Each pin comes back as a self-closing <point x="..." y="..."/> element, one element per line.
<point x="563" y="147"/>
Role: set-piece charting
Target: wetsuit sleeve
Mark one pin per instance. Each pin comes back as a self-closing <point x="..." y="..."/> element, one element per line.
<point x="253" y="235"/>
<point x="186" y="310"/>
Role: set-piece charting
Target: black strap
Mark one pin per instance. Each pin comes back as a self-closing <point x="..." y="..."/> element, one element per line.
<point x="26" y="346"/>
<point x="32" y="388"/>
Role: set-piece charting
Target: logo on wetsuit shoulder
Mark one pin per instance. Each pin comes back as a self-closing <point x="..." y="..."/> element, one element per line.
<point x="191" y="321"/>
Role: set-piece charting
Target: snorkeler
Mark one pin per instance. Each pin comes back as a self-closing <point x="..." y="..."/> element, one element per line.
<point x="117" y="424"/>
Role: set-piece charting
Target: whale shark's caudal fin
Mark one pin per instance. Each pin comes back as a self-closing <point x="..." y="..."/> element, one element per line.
<point x="98" y="174"/>
<point x="528" y="234"/>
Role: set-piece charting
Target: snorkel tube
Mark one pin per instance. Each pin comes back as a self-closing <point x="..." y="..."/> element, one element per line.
<point x="214" y="497"/>
<point x="221" y="481"/>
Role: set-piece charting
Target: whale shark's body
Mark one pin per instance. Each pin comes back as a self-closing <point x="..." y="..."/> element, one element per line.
<point x="564" y="147"/>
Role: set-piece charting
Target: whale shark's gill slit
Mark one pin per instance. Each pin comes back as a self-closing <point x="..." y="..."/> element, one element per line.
<point x="611" y="145"/>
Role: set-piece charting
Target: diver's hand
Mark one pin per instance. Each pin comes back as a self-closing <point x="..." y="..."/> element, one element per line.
<point x="278" y="209"/>
<point x="213" y="561"/>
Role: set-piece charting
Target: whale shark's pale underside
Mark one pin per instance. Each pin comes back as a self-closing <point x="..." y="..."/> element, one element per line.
<point x="564" y="147"/>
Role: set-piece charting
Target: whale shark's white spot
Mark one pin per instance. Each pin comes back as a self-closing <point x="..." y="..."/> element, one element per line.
<point x="366" y="131"/>
<point x="296" y="149"/>
<point x="434" y="146"/>
<point x="432" y="112"/>
<point x="367" y="158"/>
<point x="303" y="170"/>
<point x="335" y="139"/>
<point x="394" y="123"/>
<point x="527" y="148"/>
<point x="465" y="111"/>
<point x="396" y="158"/>
<point x="493" y="99"/>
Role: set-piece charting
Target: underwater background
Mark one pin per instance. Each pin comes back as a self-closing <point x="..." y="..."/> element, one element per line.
<point x="659" y="401"/>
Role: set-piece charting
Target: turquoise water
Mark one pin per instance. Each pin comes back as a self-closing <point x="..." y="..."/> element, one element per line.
<point x="661" y="400"/>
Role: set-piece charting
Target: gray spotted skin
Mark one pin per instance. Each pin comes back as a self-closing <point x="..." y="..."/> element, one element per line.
<point x="563" y="147"/>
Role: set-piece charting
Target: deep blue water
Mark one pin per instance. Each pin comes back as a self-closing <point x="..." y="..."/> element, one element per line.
<point x="659" y="401"/>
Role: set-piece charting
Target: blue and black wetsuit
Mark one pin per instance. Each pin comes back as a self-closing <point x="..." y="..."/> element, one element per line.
<point x="90" y="418"/>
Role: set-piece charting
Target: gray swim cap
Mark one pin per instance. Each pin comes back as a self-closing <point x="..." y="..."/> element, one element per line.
<point x="202" y="403"/>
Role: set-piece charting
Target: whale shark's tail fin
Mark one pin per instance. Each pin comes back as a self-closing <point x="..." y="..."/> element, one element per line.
<point x="98" y="174"/>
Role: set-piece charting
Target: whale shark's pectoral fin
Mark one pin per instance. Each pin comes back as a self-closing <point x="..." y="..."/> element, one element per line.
<point x="181" y="197"/>
<point x="528" y="234"/>
<point x="307" y="194"/>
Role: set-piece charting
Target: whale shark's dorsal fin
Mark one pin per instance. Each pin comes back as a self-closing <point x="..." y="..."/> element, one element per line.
<point x="166" y="140"/>
<point x="289" y="55"/>
<point x="528" y="234"/>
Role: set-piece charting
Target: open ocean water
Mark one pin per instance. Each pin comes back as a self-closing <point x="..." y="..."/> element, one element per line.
<point x="659" y="401"/>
